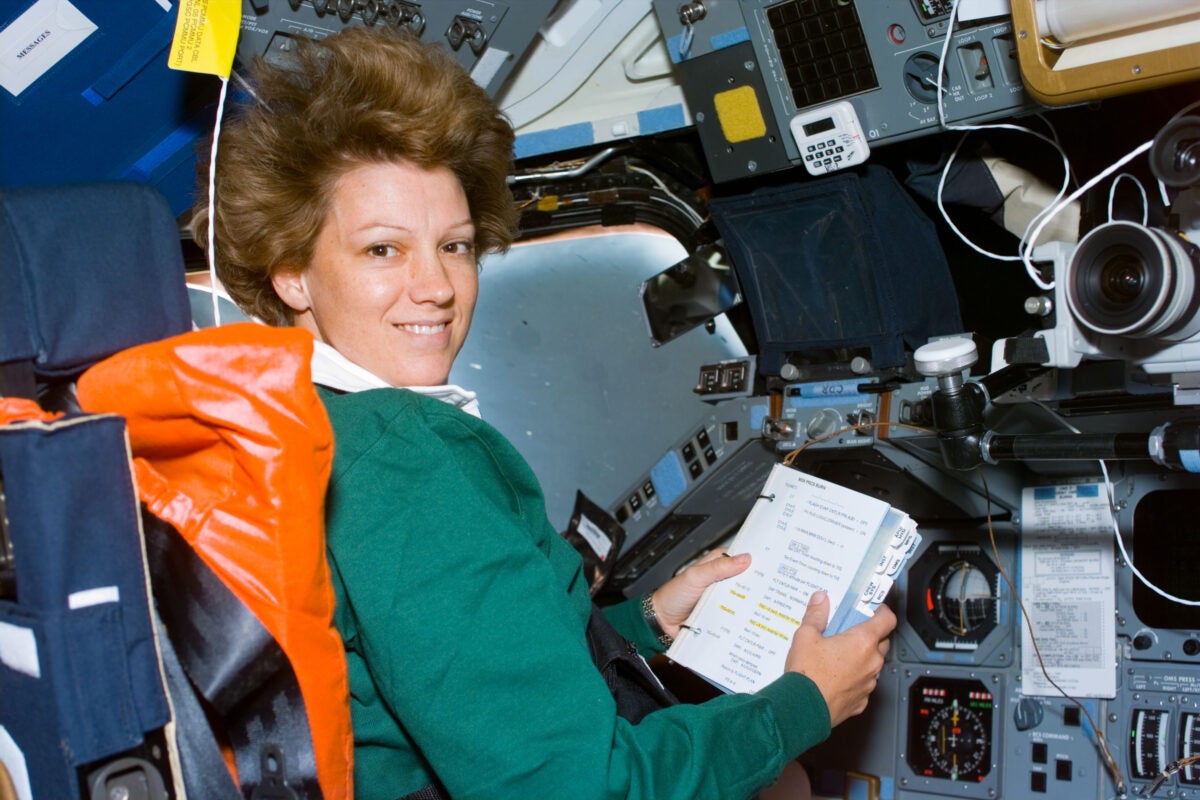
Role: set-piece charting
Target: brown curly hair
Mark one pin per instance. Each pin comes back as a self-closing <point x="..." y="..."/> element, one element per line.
<point x="361" y="96"/>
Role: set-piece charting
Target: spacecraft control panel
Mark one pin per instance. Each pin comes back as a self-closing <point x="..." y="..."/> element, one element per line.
<point x="963" y="708"/>
<point x="485" y="37"/>
<point x="818" y="83"/>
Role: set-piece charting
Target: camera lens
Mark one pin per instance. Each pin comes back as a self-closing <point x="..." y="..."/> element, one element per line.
<point x="1122" y="278"/>
<point x="1129" y="280"/>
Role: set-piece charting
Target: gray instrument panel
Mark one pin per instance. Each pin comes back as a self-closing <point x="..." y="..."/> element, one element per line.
<point x="880" y="56"/>
<point x="949" y="717"/>
<point x="488" y="38"/>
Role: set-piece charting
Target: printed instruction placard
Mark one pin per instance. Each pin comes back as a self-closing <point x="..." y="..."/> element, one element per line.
<point x="1068" y="587"/>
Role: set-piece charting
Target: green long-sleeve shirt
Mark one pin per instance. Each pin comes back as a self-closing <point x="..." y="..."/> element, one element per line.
<point x="463" y="613"/>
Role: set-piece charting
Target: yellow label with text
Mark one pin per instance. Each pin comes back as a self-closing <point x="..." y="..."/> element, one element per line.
<point x="206" y="34"/>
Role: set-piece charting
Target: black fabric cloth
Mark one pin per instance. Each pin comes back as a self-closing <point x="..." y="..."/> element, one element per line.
<point x="634" y="686"/>
<point x="969" y="183"/>
<point x="237" y="667"/>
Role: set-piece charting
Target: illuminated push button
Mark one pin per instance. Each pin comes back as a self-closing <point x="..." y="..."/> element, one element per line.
<point x="897" y="34"/>
<point x="1037" y="782"/>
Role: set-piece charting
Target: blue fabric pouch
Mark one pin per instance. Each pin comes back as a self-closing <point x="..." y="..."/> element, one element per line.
<point x="79" y="674"/>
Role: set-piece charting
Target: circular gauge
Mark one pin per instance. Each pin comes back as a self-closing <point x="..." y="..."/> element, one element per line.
<point x="954" y="601"/>
<point x="956" y="741"/>
<point x="950" y="729"/>
<point x="920" y="77"/>
<point x="963" y="599"/>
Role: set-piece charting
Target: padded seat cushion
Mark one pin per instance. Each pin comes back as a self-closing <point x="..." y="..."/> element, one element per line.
<point x="87" y="270"/>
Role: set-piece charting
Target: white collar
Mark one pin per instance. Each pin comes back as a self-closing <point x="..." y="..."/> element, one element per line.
<point x="331" y="368"/>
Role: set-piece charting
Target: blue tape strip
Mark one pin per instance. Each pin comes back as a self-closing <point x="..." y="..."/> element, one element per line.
<point x="657" y="120"/>
<point x="729" y="38"/>
<point x="143" y="51"/>
<point x="183" y="136"/>
<point x="807" y="395"/>
<point x="821" y="402"/>
<point x="564" y="138"/>
<point x="716" y="42"/>
<point x="826" y="389"/>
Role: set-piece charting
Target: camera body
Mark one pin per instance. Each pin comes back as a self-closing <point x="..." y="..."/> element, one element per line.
<point x="1127" y="292"/>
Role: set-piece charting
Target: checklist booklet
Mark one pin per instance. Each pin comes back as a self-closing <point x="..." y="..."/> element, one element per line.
<point x="804" y="534"/>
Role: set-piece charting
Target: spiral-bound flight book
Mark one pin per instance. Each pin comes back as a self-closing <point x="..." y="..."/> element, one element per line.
<point x="804" y="534"/>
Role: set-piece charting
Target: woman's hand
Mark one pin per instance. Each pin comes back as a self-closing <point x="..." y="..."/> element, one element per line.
<point x="844" y="667"/>
<point x="675" y="599"/>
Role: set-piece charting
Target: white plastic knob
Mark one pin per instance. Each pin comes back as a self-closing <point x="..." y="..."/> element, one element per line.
<point x="945" y="356"/>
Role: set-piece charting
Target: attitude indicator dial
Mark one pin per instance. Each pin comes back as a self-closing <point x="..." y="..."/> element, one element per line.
<point x="955" y="602"/>
<point x="950" y="729"/>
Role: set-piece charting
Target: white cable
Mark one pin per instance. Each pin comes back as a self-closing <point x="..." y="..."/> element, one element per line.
<point x="691" y="212"/>
<point x="1162" y="187"/>
<point x="941" y="65"/>
<point x="1132" y="154"/>
<point x="1028" y="240"/>
<point x="1112" y="506"/>
<point x="1053" y="142"/>
<point x="244" y="84"/>
<point x="1036" y="217"/>
<point x="1162" y="192"/>
<point x="1112" y="193"/>
<point x="1025" y="258"/>
<point x="212" y="202"/>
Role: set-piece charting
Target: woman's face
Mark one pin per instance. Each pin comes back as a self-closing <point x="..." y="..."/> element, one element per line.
<point x="393" y="278"/>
